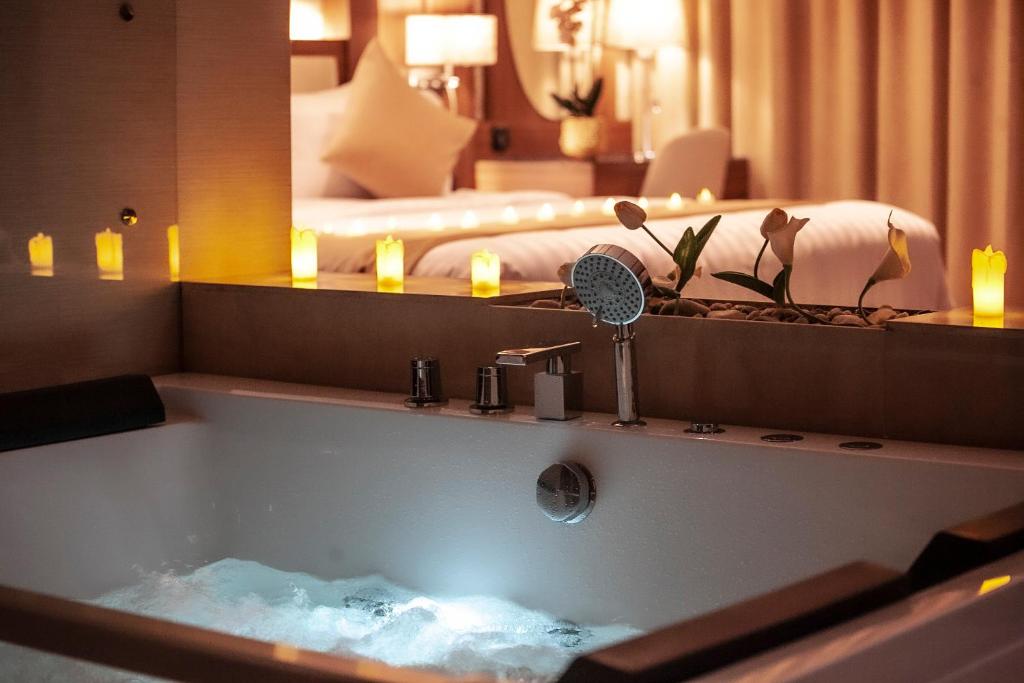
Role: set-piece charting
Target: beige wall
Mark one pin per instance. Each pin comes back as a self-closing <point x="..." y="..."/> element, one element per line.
<point x="97" y="114"/>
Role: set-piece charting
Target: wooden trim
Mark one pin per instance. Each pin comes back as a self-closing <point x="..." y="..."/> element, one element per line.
<point x="335" y="49"/>
<point x="712" y="641"/>
<point x="177" y="651"/>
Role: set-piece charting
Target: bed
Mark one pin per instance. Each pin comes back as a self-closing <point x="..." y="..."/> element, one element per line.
<point x="835" y="253"/>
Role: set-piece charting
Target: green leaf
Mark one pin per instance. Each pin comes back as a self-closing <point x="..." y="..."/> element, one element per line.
<point x="689" y="248"/>
<point x="666" y="292"/>
<point x="778" y="294"/>
<point x="744" y="280"/>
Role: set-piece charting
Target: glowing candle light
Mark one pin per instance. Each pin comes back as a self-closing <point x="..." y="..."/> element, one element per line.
<point x="40" y="255"/>
<point x="392" y="223"/>
<point x="675" y="202"/>
<point x="110" y="255"/>
<point x="705" y="196"/>
<point x="304" y="262"/>
<point x="608" y="208"/>
<point x="357" y="228"/>
<point x="988" y="274"/>
<point x="434" y="222"/>
<point x="643" y="203"/>
<point x="390" y="264"/>
<point x="485" y="273"/>
<point x="578" y="208"/>
<point x="546" y="213"/>
<point x="173" y="253"/>
<point x="469" y="221"/>
<point x="509" y="216"/>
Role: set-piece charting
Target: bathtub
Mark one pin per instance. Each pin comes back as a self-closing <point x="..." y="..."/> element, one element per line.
<point x="339" y="483"/>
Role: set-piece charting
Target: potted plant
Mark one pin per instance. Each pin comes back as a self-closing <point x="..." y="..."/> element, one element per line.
<point x="581" y="130"/>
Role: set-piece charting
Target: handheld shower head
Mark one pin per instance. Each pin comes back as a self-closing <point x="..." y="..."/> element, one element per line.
<point x="613" y="285"/>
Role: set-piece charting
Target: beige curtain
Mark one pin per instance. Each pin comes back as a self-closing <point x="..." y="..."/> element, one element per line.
<point x="915" y="102"/>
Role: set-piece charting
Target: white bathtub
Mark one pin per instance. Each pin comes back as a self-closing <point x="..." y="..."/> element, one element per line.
<point x="339" y="483"/>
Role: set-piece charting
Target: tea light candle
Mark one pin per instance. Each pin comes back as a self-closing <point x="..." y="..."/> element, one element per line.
<point x="675" y="202"/>
<point x="705" y="196"/>
<point x="357" y="229"/>
<point x="643" y="203"/>
<point x="390" y="263"/>
<point x="173" y="253"/>
<point x="435" y="223"/>
<point x="509" y="216"/>
<point x="485" y="273"/>
<point x="40" y="255"/>
<point x="110" y="255"/>
<point x="578" y="208"/>
<point x="546" y="213"/>
<point x="988" y="270"/>
<point x="304" y="259"/>
<point x="469" y="221"/>
<point x="608" y="208"/>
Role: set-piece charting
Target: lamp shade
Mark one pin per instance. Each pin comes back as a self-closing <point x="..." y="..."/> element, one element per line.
<point x="456" y="39"/>
<point x="547" y="35"/>
<point x="644" y="24"/>
<point x="320" y="20"/>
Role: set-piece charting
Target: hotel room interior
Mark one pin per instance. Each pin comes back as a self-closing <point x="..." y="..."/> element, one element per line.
<point x="590" y="341"/>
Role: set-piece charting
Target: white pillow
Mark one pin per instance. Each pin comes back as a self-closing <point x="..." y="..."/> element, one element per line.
<point x="314" y="117"/>
<point x="391" y="140"/>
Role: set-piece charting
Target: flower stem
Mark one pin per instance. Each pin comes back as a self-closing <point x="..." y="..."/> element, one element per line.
<point x="757" y="261"/>
<point x="667" y="250"/>
<point x="796" y="307"/>
<point x="860" y="300"/>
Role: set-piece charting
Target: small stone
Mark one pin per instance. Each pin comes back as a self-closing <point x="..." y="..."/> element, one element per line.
<point x="756" y="313"/>
<point x="901" y="314"/>
<point x="823" y="318"/>
<point x="745" y="308"/>
<point x="574" y="307"/>
<point x="849" y="320"/>
<point x="728" y="314"/>
<point x="545" y="303"/>
<point x="720" y="306"/>
<point x="800" y="320"/>
<point x="833" y="312"/>
<point x="881" y="314"/>
<point x="691" y="307"/>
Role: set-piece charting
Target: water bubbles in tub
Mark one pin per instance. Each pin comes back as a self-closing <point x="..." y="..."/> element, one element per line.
<point x="368" y="617"/>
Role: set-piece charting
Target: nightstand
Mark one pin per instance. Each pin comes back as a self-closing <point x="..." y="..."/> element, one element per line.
<point x="618" y="176"/>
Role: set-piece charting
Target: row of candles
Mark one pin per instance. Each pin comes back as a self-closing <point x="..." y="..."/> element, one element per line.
<point x="512" y="215"/>
<point x="109" y="254"/>
<point x="988" y="266"/>
<point x="484" y="265"/>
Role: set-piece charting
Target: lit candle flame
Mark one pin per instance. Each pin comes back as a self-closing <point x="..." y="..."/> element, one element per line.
<point x="173" y="253"/>
<point x="509" y="216"/>
<point x="643" y="203"/>
<point x="304" y="256"/>
<point x="705" y="196"/>
<point x="546" y="213"/>
<point x="469" y="221"/>
<point x="110" y="255"/>
<point x="40" y="255"/>
<point x="987" y="280"/>
<point x="434" y="222"/>
<point x="485" y="273"/>
<point x="578" y="207"/>
<point x="675" y="202"/>
<point x="608" y="208"/>
<point x="390" y="264"/>
<point x="357" y="228"/>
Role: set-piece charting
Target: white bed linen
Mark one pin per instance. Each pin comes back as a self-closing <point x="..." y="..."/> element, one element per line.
<point x="835" y="253"/>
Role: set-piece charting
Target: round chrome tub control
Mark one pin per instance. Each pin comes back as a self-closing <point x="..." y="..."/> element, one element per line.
<point x="425" y="392"/>
<point x="704" y="428"/>
<point x="491" y="391"/>
<point x="565" y="492"/>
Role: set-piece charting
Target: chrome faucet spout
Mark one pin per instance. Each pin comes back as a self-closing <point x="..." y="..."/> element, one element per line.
<point x="557" y="392"/>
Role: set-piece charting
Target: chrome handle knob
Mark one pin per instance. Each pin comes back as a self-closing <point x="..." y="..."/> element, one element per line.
<point x="491" y="391"/>
<point x="425" y="391"/>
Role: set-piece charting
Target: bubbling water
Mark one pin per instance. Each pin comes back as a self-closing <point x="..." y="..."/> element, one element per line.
<point x="368" y="617"/>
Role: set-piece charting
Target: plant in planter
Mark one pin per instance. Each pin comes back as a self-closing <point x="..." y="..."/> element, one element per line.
<point x="779" y="231"/>
<point x="580" y="131"/>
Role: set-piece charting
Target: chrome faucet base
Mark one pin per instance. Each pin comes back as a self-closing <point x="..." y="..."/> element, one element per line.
<point x="478" y="409"/>
<point x="557" y="392"/>
<point x="416" y="402"/>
